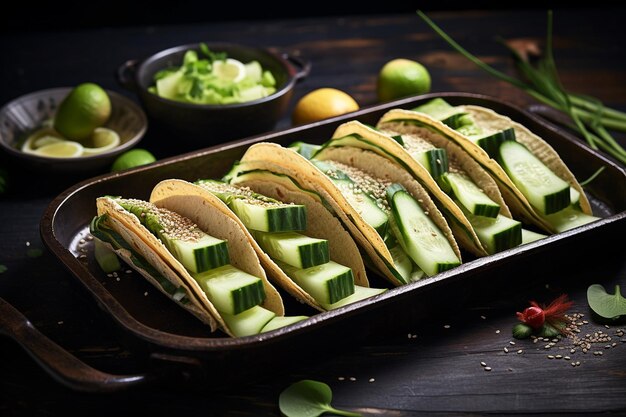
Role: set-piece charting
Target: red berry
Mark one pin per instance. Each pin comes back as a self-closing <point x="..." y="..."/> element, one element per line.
<point x="534" y="317"/>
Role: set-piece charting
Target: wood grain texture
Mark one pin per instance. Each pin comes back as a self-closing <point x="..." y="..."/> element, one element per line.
<point x="438" y="372"/>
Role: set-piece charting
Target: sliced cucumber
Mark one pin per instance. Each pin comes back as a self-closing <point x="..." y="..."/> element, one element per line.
<point x="574" y="196"/>
<point x="530" y="236"/>
<point x="435" y="161"/>
<point x="496" y="234"/>
<point x="326" y="283"/>
<point x="360" y="293"/>
<point x="544" y="190"/>
<point x="199" y="255"/>
<point x="281" y="321"/>
<point x="106" y="258"/>
<point x="402" y="262"/>
<point x="449" y="115"/>
<point x="305" y="149"/>
<point x="568" y="218"/>
<point x="470" y="195"/>
<point x="250" y="322"/>
<point x="294" y="249"/>
<point x="363" y="203"/>
<point x="436" y="108"/>
<point x="419" y="236"/>
<point x="256" y="211"/>
<point x="491" y="142"/>
<point x="231" y="290"/>
<point x="192" y="247"/>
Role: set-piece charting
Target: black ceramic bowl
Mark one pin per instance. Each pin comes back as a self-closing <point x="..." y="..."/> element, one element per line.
<point x="201" y="125"/>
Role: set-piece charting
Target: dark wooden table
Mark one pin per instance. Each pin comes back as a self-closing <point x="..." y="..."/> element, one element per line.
<point x="437" y="372"/>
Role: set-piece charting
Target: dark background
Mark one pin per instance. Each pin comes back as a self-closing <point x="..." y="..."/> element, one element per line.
<point x="76" y="14"/>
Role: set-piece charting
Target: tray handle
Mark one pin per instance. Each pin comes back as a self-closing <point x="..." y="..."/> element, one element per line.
<point x="59" y="363"/>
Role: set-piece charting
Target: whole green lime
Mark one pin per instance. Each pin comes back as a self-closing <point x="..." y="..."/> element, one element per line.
<point x="85" y="108"/>
<point x="401" y="78"/>
<point x="133" y="158"/>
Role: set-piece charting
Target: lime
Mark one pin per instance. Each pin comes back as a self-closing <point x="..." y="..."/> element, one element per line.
<point x="321" y="104"/>
<point x="230" y="70"/>
<point x="102" y="139"/>
<point x="61" y="149"/>
<point x="85" y="108"/>
<point x="401" y="78"/>
<point x="39" y="138"/>
<point x="132" y="158"/>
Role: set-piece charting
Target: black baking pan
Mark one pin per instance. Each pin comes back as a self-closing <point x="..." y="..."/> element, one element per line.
<point x="177" y="339"/>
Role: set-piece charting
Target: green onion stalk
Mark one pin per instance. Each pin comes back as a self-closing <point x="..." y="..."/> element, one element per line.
<point x="590" y="117"/>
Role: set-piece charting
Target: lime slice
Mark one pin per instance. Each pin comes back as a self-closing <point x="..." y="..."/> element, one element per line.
<point x="39" y="138"/>
<point x="101" y="140"/>
<point x="229" y="70"/>
<point x="62" y="149"/>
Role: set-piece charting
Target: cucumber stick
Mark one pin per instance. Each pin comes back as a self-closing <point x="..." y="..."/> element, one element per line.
<point x="192" y="247"/>
<point x="256" y="211"/>
<point x="420" y="238"/>
<point x="544" y="190"/>
<point x="363" y="203"/>
<point x="231" y="290"/>
<point x="491" y="142"/>
<point x="468" y="194"/>
<point x="327" y="283"/>
<point x="496" y="234"/>
<point x="281" y="321"/>
<point x="435" y="161"/>
<point x="360" y="293"/>
<point x="305" y="149"/>
<point x="250" y="322"/>
<point x="294" y="249"/>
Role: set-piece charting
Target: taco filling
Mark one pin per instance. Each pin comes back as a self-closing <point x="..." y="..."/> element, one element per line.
<point x="201" y="272"/>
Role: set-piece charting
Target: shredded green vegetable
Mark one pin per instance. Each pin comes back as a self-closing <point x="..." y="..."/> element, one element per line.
<point x="590" y="117"/>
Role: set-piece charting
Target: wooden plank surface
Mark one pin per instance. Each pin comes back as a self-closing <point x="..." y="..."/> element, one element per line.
<point x="439" y="371"/>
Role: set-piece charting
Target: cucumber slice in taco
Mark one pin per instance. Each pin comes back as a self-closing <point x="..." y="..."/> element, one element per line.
<point x="215" y="276"/>
<point x="423" y="124"/>
<point x="351" y="183"/>
<point x="466" y="186"/>
<point x="533" y="166"/>
<point x="283" y="254"/>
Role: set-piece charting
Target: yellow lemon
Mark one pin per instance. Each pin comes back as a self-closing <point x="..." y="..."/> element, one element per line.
<point x="401" y="78"/>
<point x="132" y="158"/>
<point x="85" y="108"/>
<point x="321" y="104"/>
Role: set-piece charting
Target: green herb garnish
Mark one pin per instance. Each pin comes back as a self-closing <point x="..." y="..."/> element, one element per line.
<point x="3" y="268"/>
<point x="589" y="116"/>
<point x="309" y="398"/>
<point x="609" y="306"/>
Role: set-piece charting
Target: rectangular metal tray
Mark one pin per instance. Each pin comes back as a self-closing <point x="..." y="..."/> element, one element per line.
<point x="155" y="323"/>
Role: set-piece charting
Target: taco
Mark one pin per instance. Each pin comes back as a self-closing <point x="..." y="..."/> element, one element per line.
<point x="217" y="276"/>
<point x="368" y="193"/>
<point x="302" y="247"/>
<point x="534" y="181"/>
<point x="475" y="210"/>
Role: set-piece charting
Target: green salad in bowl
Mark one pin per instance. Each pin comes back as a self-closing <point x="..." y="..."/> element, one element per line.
<point x="213" y="78"/>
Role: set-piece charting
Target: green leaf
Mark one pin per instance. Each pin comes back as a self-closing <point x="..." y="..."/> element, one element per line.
<point x="3" y="268"/>
<point x="521" y="331"/>
<point x="34" y="253"/>
<point x="606" y="305"/>
<point x="308" y="398"/>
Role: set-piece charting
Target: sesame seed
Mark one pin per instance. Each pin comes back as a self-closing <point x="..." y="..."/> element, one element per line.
<point x="446" y="326"/>
<point x="520" y="351"/>
<point x="567" y="358"/>
<point x="82" y="241"/>
<point x="128" y="271"/>
<point x="371" y="380"/>
<point x="497" y="331"/>
<point x="27" y="243"/>
<point x="483" y="364"/>
<point x="607" y="326"/>
<point x="352" y="378"/>
<point x="506" y="350"/>
<point x="60" y="322"/>
<point x="145" y="294"/>
<point x="572" y="351"/>
<point x="573" y="363"/>
<point x="547" y="347"/>
<point x="512" y="342"/>
<point x="550" y="356"/>
<point x="483" y="317"/>
<point x="487" y="368"/>
<point x="341" y="378"/>
<point x="89" y="237"/>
